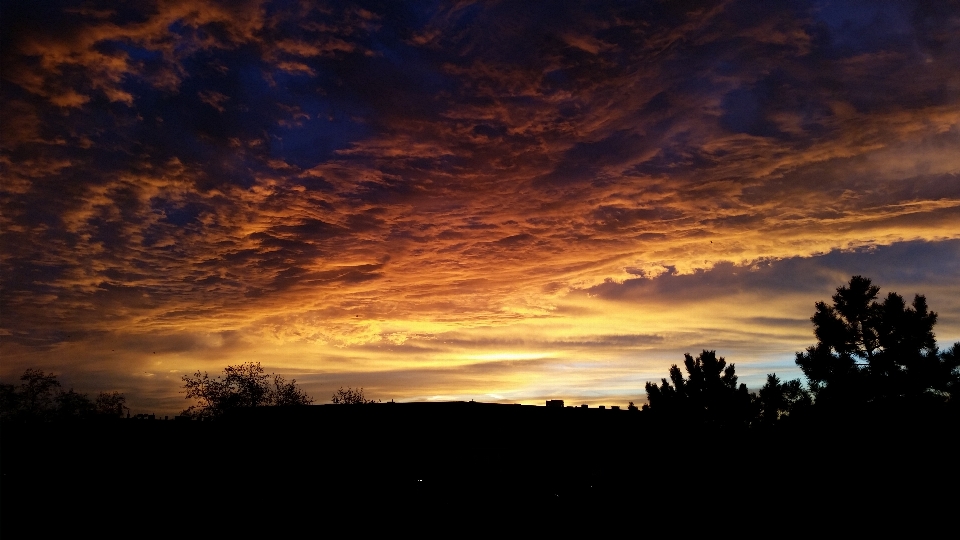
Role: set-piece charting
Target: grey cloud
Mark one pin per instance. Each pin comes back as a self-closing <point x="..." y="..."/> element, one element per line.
<point x="907" y="263"/>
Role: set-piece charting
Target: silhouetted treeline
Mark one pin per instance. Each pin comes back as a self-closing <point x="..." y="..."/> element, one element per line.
<point x="872" y="359"/>
<point x="39" y="397"/>
<point x="424" y="462"/>
<point x="870" y="355"/>
<point x="866" y="442"/>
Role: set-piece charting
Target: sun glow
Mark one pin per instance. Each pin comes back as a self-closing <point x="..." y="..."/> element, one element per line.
<point x="508" y="356"/>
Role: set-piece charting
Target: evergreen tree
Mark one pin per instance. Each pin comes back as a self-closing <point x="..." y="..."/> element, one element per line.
<point x="778" y="400"/>
<point x="709" y="395"/>
<point x="868" y="350"/>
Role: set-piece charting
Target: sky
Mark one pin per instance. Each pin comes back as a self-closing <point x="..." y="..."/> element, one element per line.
<point x="499" y="201"/>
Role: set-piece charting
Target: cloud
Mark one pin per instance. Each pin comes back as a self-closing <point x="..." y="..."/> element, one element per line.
<point x="278" y="169"/>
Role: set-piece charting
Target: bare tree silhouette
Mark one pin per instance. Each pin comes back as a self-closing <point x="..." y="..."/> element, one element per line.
<point x="244" y="385"/>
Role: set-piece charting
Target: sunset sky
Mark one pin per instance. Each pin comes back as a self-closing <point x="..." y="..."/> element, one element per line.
<point x="499" y="201"/>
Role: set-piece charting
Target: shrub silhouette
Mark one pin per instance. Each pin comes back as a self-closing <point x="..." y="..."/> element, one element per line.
<point x="350" y="397"/>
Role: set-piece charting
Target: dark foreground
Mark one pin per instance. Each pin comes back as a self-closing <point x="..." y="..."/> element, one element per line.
<point x="425" y="466"/>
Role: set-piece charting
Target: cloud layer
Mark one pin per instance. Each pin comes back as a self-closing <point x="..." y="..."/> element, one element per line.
<point x="452" y="199"/>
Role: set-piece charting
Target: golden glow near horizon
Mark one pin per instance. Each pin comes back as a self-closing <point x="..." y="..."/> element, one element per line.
<point x="430" y="204"/>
